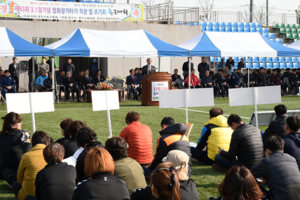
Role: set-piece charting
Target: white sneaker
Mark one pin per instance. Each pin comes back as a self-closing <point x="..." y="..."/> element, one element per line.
<point x="298" y="94"/>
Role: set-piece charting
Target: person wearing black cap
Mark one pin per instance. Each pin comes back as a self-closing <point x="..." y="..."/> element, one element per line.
<point x="14" y="72"/>
<point x="294" y="81"/>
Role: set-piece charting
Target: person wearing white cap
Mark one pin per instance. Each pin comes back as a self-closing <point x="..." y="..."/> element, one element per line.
<point x="179" y="160"/>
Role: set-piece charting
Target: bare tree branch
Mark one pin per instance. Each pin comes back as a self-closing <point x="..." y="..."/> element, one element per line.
<point x="259" y="13"/>
<point x="206" y="8"/>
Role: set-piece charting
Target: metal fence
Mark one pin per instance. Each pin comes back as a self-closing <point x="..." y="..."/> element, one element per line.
<point x="263" y="18"/>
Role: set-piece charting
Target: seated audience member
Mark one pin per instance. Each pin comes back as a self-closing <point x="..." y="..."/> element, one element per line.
<point x="40" y="81"/>
<point x="56" y="180"/>
<point x="7" y="83"/>
<point x="176" y="79"/>
<point x="139" y="139"/>
<point x="99" y="168"/>
<point x="126" y="168"/>
<point x="79" y="79"/>
<point x="215" y="134"/>
<point x="261" y="78"/>
<point x="48" y="82"/>
<point x="132" y="82"/>
<point x="275" y="78"/>
<point x="87" y="139"/>
<point x="188" y="189"/>
<point x="71" y="146"/>
<point x="292" y="140"/>
<point x="295" y="81"/>
<point x="14" y="142"/>
<point x="252" y="81"/>
<point x="233" y="80"/>
<point x="207" y="82"/>
<point x="221" y="81"/>
<point x="172" y="138"/>
<point x="246" y="144"/>
<point x="88" y="81"/>
<point x="60" y="81"/>
<point x="298" y="72"/>
<point x="279" y="171"/>
<point x="195" y="83"/>
<point x="277" y="126"/>
<point x="239" y="72"/>
<point x="31" y="163"/>
<point x="71" y="86"/>
<point x="239" y="184"/>
<point x="137" y="75"/>
<point x="99" y="78"/>
<point x="64" y="125"/>
<point x="241" y="65"/>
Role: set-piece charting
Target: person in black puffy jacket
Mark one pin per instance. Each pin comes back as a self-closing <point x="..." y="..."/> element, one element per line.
<point x="14" y="142"/>
<point x="292" y="140"/>
<point x="57" y="179"/>
<point x="277" y="126"/>
<point x="101" y="183"/>
<point x="279" y="170"/>
<point x="246" y="144"/>
<point x="71" y="146"/>
<point x="85" y="138"/>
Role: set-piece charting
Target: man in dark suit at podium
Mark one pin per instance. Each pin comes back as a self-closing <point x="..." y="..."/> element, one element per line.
<point x="149" y="68"/>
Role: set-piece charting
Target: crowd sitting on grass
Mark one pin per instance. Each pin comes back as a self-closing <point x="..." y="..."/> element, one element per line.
<point x="120" y="169"/>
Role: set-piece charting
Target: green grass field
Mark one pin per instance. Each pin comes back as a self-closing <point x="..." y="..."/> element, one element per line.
<point x="206" y="179"/>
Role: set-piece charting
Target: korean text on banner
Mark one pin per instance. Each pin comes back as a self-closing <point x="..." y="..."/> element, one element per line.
<point x="71" y="11"/>
<point x="158" y="86"/>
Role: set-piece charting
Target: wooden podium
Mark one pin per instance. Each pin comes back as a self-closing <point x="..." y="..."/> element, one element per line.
<point x="152" y="84"/>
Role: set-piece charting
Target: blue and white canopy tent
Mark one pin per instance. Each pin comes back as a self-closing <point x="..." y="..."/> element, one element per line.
<point x="14" y="45"/>
<point x="98" y="43"/>
<point x="222" y="44"/>
<point x="295" y="45"/>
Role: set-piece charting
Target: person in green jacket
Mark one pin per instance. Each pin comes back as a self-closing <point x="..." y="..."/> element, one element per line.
<point x="126" y="169"/>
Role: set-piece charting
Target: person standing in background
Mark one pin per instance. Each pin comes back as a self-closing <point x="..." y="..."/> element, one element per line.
<point x="69" y="66"/>
<point x="93" y="67"/>
<point x="185" y="68"/>
<point x="32" y="59"/>
<point x="14" y="69"/>
<point x="203" y="67"/>
<point x="49" y="62"/>
<point x="42" y="66"/>
<point x="149" y="68"/>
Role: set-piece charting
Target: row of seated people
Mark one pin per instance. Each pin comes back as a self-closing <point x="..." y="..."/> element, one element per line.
<point x="226" y="144"/>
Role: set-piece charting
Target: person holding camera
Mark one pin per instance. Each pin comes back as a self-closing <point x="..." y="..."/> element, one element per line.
<point x="71" y="86"/>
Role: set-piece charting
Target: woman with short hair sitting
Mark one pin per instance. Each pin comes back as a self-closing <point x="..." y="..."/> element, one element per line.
<point x="126" y="168"/>
<point x="64" y="125"/>
<point x="238" y="184"/>
<point x="31" y="163"/>
<point x="101" y="183"/>
<point x="57" y="179"/>
<point x="71" y="146"/>
<point x="85" y="138"/>
<point x="14" y="142"/>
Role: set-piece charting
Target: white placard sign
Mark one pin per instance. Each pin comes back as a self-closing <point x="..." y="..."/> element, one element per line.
<point x="106" y="100"/>
<point x="24" y="103"/>
<point x="99" y="100"/>
<point x="186" y="98"/>
<point x="157" y="87"/>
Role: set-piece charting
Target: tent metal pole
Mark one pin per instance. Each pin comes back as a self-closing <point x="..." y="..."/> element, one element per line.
<point x="124" y="75"/>
<point x="214" y="64"/>
<point x="265" y="62"/>
<point x="248" y="72"/>
<point x="32" y="73"/>
<point x="190" y="72"/>
<point x="53" y="76"/>
<point x="170" y="65"/>
<point x="158" y="64"/>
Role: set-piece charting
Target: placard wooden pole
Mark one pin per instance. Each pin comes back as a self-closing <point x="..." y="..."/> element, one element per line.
<point x="108" y="115"/>
<point x="248" y="73"/>
<point x="190" y="71"/>
<point x="32" y="113"/>
<point x="186" y="105"/>
<point x="53" y="76"/>
<point x="255" y="104"/>
<point x="124" y="75"/>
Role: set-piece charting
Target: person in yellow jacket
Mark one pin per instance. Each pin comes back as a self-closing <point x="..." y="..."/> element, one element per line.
<point x="31" y="163"/>
<point x="215" y="134"/>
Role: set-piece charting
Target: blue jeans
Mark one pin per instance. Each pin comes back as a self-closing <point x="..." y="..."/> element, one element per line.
<point x="30" y="82"/>
<point x="201" y="156"/>
<point x="224" y="162"/>
<point x="4" y="91"/>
